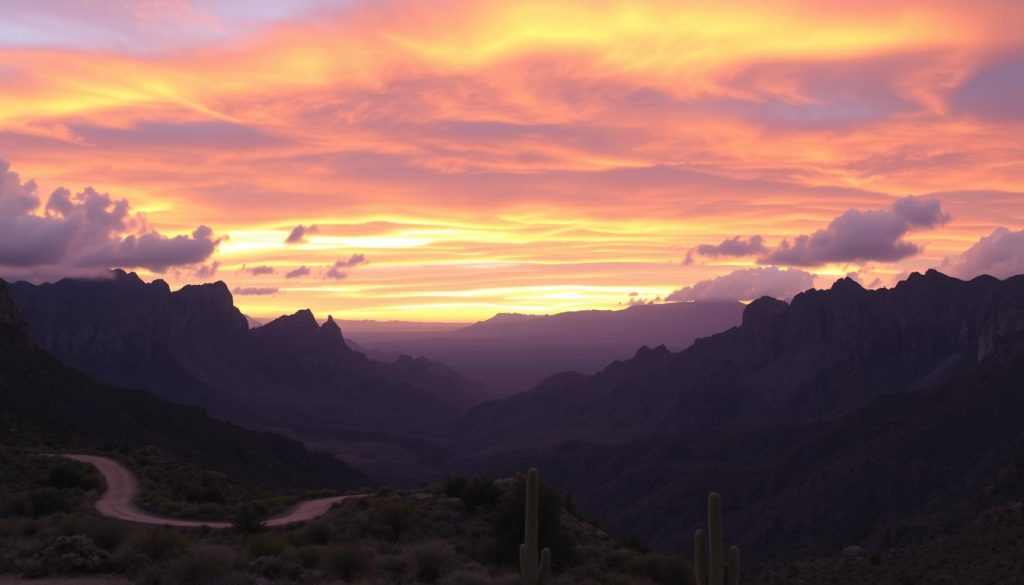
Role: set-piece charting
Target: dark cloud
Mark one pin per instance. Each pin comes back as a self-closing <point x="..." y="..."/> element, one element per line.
<point x="339" y="269"/>
<point x="298" y="272"/>
<point x="254" y="291"/>
<point x="731" y="247"/>
<point x="858" y="236"/>
<point x="747" y="284"/>
<point x="994" y="92"/>
<point x="207" y="271"/>
<point x="261" y="270"/>
<point x="999" y="254"/>
<point x="86" y="230"/>
<point x="299" y="233"/>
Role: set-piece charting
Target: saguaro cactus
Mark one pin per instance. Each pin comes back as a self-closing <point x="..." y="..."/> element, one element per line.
<point x="534" y="572"/>
<point x="712" y="569"/>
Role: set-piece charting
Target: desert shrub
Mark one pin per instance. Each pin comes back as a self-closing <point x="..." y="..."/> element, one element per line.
<point x="316" y="533"/>
<point x="67" y="555"/>
<point x="463" y="577"/>
<point x="201" y="564"/>
<point x="15" y="506"/>
<point x="311" y="555"/>
<point x="508" y="527"/>
<point x="454" y="487"/>
<point x="158" y="544"/>
<point x="105" y="533"/>
<point x="433" y="560"/>
<point x="46" y="501"/>
<point x="391" y="565"/>
<point x="68" y="475"/>
<point x="399" y="516"/>
<point x="479" y="492"/>
<point x="265" y="545"/>
<point x="661" y="568"/>
<point x="348" y="561"/>
<point x="277" y="567"/>
<point x="248" y="519"/>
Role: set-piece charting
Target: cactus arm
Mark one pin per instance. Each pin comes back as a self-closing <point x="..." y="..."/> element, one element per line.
<point x="716" y="560"/>
<point x="534" y="571"/>
<point x="700" y="551"/>
<point x="709" y="564"/>
<point x="733" y="573"/>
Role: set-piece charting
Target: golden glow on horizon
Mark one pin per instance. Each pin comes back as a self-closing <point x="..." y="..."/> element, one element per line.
<point x="531" y="157"/>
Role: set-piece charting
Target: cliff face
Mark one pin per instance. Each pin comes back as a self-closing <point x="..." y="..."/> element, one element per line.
<point x="878" y="418"/>
<point x="828" y="352"/>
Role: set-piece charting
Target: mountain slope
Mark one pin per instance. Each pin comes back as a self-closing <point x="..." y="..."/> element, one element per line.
<point x="826" y="354"/>
<point x="924" y="454"/>
<point x="43" y="402"/>
<point x="291" y="375"/>
<point x="904" y="469"/>
<point x="512" y="352"/>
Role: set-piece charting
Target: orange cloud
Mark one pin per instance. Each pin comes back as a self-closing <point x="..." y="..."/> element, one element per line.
<point x="527" y="156"/>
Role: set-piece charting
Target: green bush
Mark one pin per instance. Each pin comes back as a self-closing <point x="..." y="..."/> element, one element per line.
<point x="348" y="561"/>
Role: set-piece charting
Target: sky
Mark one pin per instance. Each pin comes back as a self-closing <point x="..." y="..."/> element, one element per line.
<point x="446" y="161"/>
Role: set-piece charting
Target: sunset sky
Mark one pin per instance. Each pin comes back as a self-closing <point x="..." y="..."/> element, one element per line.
<point x="444" y="161"/>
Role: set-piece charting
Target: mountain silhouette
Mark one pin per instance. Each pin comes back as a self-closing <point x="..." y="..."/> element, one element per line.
<point x="293" y="375"/>
<point x="849" y="416"/>
<point x="46" y="403"/>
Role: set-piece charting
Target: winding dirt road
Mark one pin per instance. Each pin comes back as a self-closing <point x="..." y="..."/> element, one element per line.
<point x="122" y="487"/>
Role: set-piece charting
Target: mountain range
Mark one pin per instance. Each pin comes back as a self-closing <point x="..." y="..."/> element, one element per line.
<point x="45" y="403"/>
<point x="292" y="375"/>
<point x="849" y="416"/>
<point x="513" y="352"/>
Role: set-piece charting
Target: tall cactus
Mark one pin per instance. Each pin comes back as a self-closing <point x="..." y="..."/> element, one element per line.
<point x="534" y="572"/>
<point x="713" y="570"/>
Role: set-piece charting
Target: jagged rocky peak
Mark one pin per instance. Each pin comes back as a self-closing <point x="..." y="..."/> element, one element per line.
<point x="330" y="333"/>
<point x="847" y="285"/>
<point x="764" y="313"/>
<point x="123" y="279"/>
<point x="330" y="326"/>
<point x="646" y="352"/>
<point x="298" y="325"/>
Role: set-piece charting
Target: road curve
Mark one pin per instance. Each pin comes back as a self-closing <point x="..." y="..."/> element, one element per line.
<point x="122" y="486"/>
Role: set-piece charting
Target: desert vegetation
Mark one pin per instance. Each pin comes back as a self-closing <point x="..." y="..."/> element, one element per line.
<point x="457" y="532"/>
